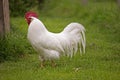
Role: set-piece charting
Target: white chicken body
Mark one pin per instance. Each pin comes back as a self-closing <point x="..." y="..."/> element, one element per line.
<point x="51" y="45"/>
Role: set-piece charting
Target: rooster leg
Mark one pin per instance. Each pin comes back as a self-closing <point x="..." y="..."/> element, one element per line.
<point x="42" y="64"/>
<point x="53" y="63"/>
<point x="42" y="61"/>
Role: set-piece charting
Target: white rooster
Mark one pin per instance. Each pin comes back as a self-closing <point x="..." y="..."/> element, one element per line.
<point x="50" y="45"/>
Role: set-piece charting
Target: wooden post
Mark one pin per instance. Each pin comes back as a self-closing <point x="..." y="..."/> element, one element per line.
<point x="4" y="17"/>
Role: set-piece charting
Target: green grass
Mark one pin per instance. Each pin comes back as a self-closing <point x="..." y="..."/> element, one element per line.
<point x="102" y="58"/>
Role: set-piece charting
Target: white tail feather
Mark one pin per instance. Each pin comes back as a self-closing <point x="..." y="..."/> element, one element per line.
<point x="75" y="34"/>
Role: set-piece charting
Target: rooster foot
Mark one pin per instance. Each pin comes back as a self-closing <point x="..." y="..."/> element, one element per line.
<point x="42" y="64"/>
<point x="53" y="63"/>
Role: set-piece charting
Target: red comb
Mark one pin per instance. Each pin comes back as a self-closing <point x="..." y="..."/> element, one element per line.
<point x="30" y="14"/>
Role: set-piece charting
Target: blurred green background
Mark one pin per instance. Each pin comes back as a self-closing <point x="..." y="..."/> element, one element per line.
<point x="101" y="19"/>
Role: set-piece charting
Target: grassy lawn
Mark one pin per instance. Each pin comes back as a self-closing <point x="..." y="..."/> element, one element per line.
<point x="78" y="68"/>
<point x="102" y="58"/>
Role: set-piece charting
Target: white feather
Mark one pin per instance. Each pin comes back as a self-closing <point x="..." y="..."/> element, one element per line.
<point x="51" y="45"/>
